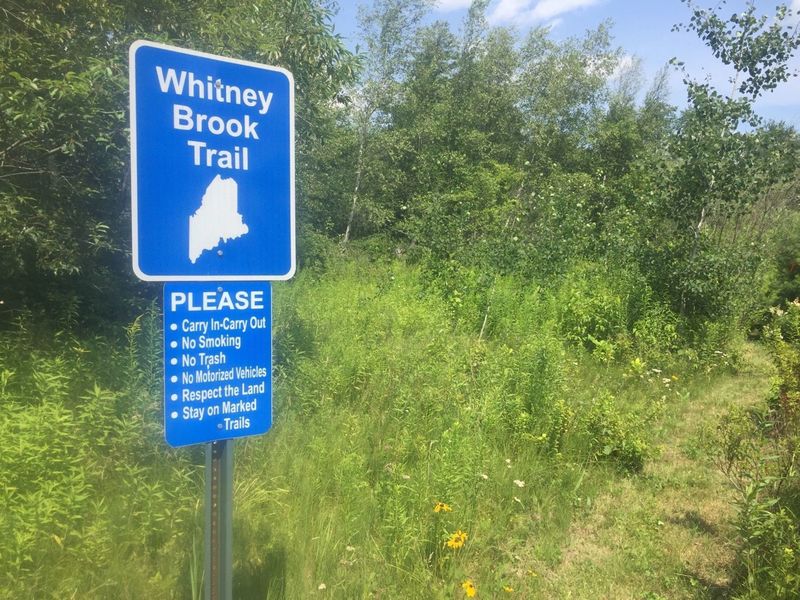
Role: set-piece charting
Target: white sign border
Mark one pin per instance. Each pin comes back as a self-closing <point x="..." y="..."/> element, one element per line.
<point x="134" y="183"/>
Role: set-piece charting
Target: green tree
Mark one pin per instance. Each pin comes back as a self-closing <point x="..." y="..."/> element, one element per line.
<point x="388" y="30"/>
<point x="720" y="161"/>
<point x="564" y="89"/>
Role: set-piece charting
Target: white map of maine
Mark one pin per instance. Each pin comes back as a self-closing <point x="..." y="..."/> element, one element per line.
<point x="217" y="220"/>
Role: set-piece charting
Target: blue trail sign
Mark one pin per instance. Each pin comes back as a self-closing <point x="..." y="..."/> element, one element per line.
<point x="212" y="167"/>
<point x="217" y="361"/>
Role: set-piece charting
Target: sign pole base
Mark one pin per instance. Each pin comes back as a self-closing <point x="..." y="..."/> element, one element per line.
<point x="219" y="521"/>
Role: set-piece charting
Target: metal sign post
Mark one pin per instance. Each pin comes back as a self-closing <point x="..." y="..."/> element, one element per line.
<point x="219" y="521"/>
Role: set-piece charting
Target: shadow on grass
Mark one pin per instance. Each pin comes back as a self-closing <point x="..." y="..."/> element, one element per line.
<point x="695" y="521"/>
<point x="265" y="578"/>
<point x="709" y="590"/>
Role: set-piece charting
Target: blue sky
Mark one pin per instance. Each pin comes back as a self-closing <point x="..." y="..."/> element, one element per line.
<point x="643" y="29"/>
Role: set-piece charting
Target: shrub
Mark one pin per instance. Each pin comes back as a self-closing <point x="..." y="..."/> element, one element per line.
<point x="656" y="332"/>
<point x="613" y="435"/>
<point x="600" y="304"/>
<point x="85" y="491"/>
<point x="758" y="453"/>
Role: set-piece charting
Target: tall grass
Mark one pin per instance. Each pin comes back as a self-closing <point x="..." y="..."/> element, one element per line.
<point x="93" y="503"/>
<point x="387" y="406"/>
<point x="387" y="402"/>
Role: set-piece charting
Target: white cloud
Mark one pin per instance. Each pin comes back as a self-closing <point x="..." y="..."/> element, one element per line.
<point x="508" y="10"/>
<point x="530" y="11"/>
<point x="554" y="23"/>
<point x="451" y="5"/>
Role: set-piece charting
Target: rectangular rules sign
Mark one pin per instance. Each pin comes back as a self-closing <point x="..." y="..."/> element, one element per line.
<point x="217" y="361"/>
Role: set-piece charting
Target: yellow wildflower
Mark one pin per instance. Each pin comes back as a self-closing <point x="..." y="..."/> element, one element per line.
<point x="441" y="507"/>
<point x="508" y="589"/>
<point x="457" y="539"/>
<point x="469" y="588"/>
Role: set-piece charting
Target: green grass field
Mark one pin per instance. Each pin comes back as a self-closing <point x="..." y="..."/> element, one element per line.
<point x="557" y="473"/>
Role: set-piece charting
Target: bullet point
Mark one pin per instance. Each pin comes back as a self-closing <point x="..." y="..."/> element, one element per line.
<point x="173" y="344"/>
<point x="174" y="327"/>
<point x="173" y="361"/>
<point x="174" y="414"/>
<point x="173" y="397"/>
<point x="174" y="379"/>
